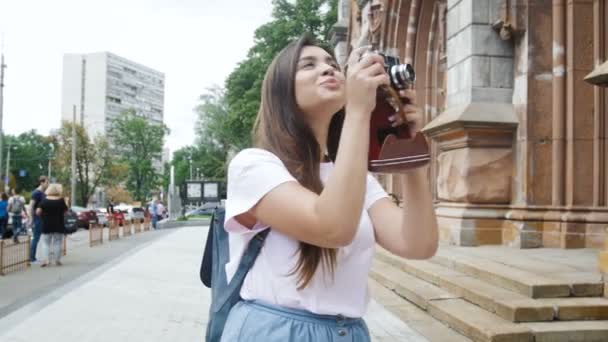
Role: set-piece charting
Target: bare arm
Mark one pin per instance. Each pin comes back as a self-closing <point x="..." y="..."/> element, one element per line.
<point x="410" y="232"/>
<point x="331" y="218"/>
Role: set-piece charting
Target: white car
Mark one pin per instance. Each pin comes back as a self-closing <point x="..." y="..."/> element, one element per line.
<point x="102" y="216"/>
<point x="136" y="213"/>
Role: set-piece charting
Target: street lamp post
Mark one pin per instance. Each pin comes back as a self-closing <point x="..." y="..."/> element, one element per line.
<point x="190" y="161"/>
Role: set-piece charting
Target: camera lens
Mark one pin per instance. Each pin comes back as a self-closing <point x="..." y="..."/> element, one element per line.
<point x="402" y="75"/>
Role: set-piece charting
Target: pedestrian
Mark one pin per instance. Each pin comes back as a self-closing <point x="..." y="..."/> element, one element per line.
<point x="160" y="210"/>
<point x="307" y="180"/>
<point x="37" y="197"/>
<point x="4" y="216"/>
<point x="51" y="211"/>
<point x="153" y="209"/>
<point x="16" y="208"/>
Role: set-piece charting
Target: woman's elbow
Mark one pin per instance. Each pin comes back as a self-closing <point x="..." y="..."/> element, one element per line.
<point x="341" y="237"/>
<point x="426" y="251"/>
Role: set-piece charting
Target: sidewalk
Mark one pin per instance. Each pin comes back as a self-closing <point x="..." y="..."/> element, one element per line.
<point x="152" y="295"/>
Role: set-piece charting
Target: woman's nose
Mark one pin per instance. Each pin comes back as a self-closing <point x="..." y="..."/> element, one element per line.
<point x="328" y="70"/>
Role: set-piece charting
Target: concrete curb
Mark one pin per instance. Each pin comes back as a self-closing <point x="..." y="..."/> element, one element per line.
<point x="179" y="224"/>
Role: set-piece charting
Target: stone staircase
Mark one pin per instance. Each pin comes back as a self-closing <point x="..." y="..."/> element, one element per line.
<point x="497" y="294"/>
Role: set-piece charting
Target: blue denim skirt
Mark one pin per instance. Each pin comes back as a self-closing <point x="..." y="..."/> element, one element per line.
<point x="252" y="321"/>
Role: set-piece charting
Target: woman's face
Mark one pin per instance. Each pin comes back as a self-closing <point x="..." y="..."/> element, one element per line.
<point x="319" y="83"/>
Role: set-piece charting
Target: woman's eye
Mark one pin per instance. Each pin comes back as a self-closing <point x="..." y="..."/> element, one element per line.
<point x="308" y="65"/>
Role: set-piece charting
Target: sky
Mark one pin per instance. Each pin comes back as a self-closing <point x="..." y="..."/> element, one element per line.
<point x="196" y="43"/>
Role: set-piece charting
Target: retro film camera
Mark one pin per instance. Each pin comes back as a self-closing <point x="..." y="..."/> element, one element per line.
<point x="392" y="149"/>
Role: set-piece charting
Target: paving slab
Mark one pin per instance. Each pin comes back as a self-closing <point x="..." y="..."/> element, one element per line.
<point x="153" y="294"/>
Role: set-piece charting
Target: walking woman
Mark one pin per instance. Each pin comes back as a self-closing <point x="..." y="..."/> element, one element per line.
<point x="51" y="211"/>
<point x="307" y="180"/>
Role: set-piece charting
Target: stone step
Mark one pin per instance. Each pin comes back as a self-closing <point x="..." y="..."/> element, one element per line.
<point x="530" y="284"/>
<point x="409" y="287"/>
<point x="416" y="318"/>
<point x="475" y="322"/>
<point x="507" y="304"/>
<point x="587" y="331"/>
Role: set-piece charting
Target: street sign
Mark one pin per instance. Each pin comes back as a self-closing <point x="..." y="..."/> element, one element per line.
<point x="202" y="191"/>
<point x="194" y="191"/>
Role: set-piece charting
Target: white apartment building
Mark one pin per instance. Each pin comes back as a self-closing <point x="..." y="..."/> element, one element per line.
<point x="103" y="85"/>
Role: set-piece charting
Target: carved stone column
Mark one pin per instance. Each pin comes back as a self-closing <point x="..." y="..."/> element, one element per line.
<point x="599" y="77"/>
<point x="475" y="135"/>
<point x="339" y="32"/>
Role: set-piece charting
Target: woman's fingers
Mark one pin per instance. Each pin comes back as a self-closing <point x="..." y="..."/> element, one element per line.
<point x="409" y="94"/>
<point x="356" y="54"/>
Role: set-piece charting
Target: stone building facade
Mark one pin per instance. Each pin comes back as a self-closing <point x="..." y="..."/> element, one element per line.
<point x="519" y="147"/>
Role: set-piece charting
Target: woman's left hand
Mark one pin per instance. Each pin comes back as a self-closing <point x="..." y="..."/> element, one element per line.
<point x="413" y="113"/>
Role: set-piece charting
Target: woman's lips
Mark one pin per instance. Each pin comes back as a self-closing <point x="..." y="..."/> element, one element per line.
<point x="331" y="83"/>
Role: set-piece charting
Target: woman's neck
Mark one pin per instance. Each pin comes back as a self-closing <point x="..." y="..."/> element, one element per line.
<point x="320" y="130"/>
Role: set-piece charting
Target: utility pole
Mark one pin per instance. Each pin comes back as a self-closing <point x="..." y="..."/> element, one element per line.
<point x="2" y="67"/>
<point x="8" y="161"/>
<point x="73" y="185"/>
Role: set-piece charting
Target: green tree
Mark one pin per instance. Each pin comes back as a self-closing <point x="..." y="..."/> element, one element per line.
<point x="226" y="117"/>
<point x="30" y="154"/>
<point x="95" y="165"/>
<point x="139" y="144"/>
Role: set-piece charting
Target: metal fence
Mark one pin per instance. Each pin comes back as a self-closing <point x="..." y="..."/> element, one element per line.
<point x="146" y="226"/>
<point x="14" y="256"/>
<point x="113" y="230"/>
<point x="126" y="229"/>
<point x="95" y="234"/>
<point x="137" y="227"/>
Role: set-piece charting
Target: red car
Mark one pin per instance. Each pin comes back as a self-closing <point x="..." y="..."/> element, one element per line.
<point x="85" y="217"/>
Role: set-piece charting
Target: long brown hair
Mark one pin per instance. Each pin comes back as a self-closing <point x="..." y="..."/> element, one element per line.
<point x="280" y="128"/>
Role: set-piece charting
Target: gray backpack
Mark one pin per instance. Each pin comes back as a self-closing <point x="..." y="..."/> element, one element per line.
<point x="17" y="206"/>
<point x="224" y="294"/>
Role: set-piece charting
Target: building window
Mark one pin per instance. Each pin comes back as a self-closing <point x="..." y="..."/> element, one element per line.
<point x="114" y="99"/>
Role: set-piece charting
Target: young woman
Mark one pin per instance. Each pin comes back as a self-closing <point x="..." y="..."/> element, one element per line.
<point x="51" y="211"/>
<point x="307" y="180"/>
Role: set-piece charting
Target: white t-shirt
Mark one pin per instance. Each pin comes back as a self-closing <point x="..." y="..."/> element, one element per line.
<point x="252" y="174"/>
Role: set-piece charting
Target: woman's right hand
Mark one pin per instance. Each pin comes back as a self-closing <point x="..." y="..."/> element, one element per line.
<point x="365" y="74"/>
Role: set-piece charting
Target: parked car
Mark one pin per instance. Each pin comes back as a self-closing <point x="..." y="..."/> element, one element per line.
<point x="85" y="216"/>
<point x="136" y="213"/>
<point x="70" y="221"/>
<point x="205" y="209"/>
<point x="127" y="215"/>
<point x="102" y="217"/>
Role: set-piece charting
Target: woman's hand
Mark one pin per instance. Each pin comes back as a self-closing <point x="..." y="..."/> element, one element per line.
<point x="365" y="74"/>
<point x="411" y="114"/>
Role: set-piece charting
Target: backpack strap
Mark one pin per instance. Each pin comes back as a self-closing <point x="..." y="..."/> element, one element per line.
<point x="247" y="260"/>
<point x="207" y="262"/>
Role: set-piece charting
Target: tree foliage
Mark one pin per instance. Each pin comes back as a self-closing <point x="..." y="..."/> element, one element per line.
<point x="95" y="165"/>
<point x="30" y="153"/>
<point x="226" y="117"/>
<point x="139" y="145"/>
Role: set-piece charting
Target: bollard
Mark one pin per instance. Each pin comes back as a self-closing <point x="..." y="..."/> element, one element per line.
<point x="95" y="234"/>
<point x="113" y="232"/>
